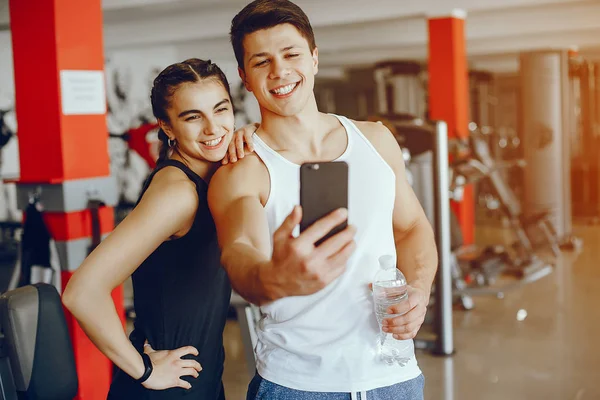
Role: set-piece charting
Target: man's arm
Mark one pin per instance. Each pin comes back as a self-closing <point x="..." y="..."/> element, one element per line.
<point x="234" y="197"/>
<point x="295" y="266"/>
<point x="415" y="242"/>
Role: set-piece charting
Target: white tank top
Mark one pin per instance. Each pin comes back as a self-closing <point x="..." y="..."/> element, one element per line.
<point x="327" y="342"/>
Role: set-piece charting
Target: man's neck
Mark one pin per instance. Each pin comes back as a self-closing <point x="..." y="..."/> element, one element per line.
<point x="302" y="132"/>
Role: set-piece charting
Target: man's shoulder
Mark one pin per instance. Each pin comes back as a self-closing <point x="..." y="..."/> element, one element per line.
<point x="247" y="174"/>
<point x="376" y="132"/>
<point x="382" y="139"/>
<point x="370" y="127"/>
<point x="250" y="164"/>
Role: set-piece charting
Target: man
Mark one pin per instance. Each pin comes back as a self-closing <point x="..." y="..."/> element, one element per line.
<point x="318" y="332"/>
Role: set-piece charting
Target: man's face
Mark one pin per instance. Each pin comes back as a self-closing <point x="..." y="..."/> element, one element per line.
<point x="279" y="69"/>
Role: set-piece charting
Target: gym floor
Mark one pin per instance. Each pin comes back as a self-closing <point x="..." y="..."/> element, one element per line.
<point x="548" y="355"/>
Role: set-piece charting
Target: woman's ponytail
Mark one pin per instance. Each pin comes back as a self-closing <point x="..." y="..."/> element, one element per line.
<point x="163" y="147"/>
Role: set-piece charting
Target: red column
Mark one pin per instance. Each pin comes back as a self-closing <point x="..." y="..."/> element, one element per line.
<point x="63" y="146"/>
<point x="449" y="94"/>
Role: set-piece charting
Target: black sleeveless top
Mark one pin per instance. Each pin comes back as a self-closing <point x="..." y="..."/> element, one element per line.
<point x="181" y="298"/>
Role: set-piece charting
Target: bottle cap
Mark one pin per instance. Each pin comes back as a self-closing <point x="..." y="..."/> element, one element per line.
<point x="387" y="262"/>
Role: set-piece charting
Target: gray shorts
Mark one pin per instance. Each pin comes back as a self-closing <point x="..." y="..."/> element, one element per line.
<point x="262" y="389"/>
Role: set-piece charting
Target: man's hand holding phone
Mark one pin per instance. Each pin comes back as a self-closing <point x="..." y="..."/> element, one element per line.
<point x="298" y="267"/>
<point x="305" y="264"/>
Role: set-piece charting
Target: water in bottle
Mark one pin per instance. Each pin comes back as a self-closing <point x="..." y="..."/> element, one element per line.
<point x="389" y="288"/>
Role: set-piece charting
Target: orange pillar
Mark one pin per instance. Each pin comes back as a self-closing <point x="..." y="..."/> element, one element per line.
<point x="63" y="146"/>
<point x="449" y="94"/>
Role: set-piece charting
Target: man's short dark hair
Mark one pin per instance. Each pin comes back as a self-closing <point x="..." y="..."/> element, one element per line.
<point x="264" y="14"/>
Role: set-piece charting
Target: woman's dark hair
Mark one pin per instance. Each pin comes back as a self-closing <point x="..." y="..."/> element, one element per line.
<point x="265" y="14"/>
<point x="166" y="83"/>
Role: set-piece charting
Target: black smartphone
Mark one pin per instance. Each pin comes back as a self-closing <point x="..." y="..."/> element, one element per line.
<point x="323" y="189"/>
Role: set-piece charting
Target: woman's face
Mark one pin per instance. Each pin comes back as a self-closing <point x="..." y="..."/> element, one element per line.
<point x="201" y="120"/>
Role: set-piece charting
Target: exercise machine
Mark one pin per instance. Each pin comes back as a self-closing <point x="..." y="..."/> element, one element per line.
<point x="36" y="356"/>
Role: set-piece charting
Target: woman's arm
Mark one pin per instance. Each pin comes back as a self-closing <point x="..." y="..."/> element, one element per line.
<point x="167" y="208"/>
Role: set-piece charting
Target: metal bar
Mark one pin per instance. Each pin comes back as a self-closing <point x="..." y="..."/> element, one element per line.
<point x="69" y="196"/>
<point x="444" y="344"/>
<point x="246" y="320"/>
<point x="567" y="108"/>
<point x="597" y="130"/>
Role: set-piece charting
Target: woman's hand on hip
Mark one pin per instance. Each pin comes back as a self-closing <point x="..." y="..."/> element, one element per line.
<point x="169" y="367"/>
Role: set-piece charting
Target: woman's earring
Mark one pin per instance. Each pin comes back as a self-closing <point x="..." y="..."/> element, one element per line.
<point x="171" y="142"/>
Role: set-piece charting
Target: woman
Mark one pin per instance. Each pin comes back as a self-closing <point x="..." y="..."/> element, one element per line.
<point x="168" y="244"/>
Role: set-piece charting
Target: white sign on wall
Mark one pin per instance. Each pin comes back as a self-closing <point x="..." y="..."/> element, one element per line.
<point x="82" y="92"/>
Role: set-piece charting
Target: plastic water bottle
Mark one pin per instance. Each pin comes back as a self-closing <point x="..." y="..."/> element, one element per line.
<point x="389" y="288"/>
